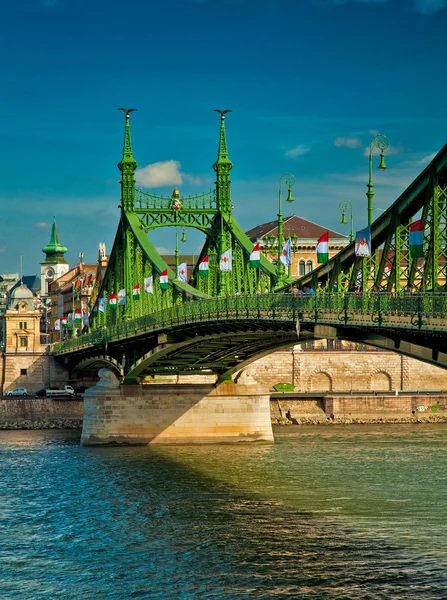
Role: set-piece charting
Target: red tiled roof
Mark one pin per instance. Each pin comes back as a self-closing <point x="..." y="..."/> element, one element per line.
<point x="293" y="226"/>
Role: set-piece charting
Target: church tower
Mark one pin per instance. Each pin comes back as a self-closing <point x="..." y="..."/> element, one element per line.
<point x="54" y="265"/>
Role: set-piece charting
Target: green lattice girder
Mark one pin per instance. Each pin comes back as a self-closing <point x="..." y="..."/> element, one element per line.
<point x="220" y="335"/>
<point x="157" y="211"/>
<point x="425" y="198"/>
<point x="132" y="260"/>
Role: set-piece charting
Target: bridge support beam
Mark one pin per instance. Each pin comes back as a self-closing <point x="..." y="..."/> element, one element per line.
<point x="176" y="414"/>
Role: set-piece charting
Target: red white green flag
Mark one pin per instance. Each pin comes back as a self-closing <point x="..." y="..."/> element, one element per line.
<point x="112" y="300"/>
<point x="64" y="321"/>
<point x="416" y="239"/>
<point x="255" y="257"/>
<point x="149" y="285"/>
<point x="136" y="292"/>
<point x="323" y="248"/>
<point x="204" y="267"/>
<point x="164" y="281"/>
<point x="78" y="316"/>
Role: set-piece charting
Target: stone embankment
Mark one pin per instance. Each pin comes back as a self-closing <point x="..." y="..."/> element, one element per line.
<point x="438" y="418"/>
<point x="40" y="413"/>
<point x="361" y="409"/>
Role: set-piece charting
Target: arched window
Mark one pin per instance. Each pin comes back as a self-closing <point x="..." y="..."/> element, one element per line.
<point x="309" y="266"/>
<point x="302" y="268"/>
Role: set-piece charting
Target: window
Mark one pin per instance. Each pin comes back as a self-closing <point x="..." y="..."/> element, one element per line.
<point x="309" y="266"/>
<point x="23" y="371"/>
<point x="302" y="267"/>
<point x="24" y="342"/>
<point x="23" y="325"/>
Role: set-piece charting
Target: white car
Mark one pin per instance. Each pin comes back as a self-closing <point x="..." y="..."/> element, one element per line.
<point x="18" y="392"/>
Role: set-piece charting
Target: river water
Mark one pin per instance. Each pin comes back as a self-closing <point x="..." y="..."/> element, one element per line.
<point x="352" y="512"/>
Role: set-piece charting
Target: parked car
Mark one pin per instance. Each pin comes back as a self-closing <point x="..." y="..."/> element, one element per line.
<point x="41" y="393"/>
<point x="18" y="392"/>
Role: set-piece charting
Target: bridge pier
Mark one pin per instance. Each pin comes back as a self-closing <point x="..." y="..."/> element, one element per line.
<point x="176" y="414"/>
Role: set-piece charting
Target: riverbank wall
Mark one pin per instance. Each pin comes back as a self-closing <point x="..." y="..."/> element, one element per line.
<point x="50" y="413"/>
<point x="40" y="413"/>
<point x="358" y="408"/>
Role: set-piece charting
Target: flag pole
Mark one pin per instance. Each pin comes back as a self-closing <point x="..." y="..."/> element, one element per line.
<point x="73" y="327"/>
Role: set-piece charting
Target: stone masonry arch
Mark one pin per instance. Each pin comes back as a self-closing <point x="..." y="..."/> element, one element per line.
<point x="320" y="381"/>
<point x="380" y="381"/>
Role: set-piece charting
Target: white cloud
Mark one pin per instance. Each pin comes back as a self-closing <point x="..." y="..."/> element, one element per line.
<point x="424" y="161"/>
<point x="297" y="151"/>
<point x="159" y="174"/>
<point x="42" y="225"/>
<point x="429" y="7"/>
<point x="166" y="172"/>
<point x="425" y="7"/>
<point x="388" y="151"/>
<point x="348" y="142"/>
<point x="164" y="251"/>
<point x="195" y="179"/>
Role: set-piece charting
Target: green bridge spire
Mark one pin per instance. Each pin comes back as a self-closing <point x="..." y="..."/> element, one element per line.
<point x="222" y="167"/>
<point x="127" y="166"/>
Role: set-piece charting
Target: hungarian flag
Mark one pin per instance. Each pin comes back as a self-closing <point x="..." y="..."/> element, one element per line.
<point x="286" y="254"/>
<point x="204" y="267"/>
<point x="112" y="300"/>
<point x="136" y="292"/>
<point x="226" y="260"/>
<point x="182" y="272"/>
<point x="255" y="257"/>
<point x="64" y="321"/>
<point x="416" y="239"/>
<point x="78" y="316"/>
<point x="122" y="297"/>
<point x="149" y="285"/>
<point x="164" y="281"/>
<point x="323" y="248"/>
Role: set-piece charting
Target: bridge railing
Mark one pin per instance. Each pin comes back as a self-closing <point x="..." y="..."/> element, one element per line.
<point x="377" y="308"/>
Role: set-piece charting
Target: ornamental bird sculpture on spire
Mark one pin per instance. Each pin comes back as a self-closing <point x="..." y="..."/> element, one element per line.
<point x="127" y="111"/>
<point x="222" y="112"/>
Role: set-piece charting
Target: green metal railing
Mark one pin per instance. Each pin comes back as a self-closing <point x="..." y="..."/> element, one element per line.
<point x="148" y="201"/>
<point x="418" y="312"/>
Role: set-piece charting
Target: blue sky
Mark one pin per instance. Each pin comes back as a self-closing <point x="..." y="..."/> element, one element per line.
<point x="309" y="83"/>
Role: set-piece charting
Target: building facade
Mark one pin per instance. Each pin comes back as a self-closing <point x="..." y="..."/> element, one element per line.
<point x="303" y="236"/>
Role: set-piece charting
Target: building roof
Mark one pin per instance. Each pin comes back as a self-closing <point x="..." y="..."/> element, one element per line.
<point x="21" y="293"/>
<point x="32" y="282"/>
<point x="294" y="225"/>
<point x="81" y="274"/>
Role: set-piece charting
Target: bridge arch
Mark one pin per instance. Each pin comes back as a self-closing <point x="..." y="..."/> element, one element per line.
<point x="94" y="363"/>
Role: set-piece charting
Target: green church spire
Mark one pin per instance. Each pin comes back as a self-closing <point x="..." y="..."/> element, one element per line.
<point x="54" y="250"/>
<point x="222" y="167"/>
<point x="127" y="166"/>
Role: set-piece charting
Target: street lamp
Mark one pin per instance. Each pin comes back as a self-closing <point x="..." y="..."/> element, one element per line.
<point x="378" y="141"/>
<point x="289" y="180"/>
<point x="346" y="206"/>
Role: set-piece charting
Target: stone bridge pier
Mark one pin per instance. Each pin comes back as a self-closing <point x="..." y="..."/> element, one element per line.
<point x="175" y="414"/>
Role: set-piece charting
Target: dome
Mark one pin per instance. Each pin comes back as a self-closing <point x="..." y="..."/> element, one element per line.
<point x="21" y="293"/>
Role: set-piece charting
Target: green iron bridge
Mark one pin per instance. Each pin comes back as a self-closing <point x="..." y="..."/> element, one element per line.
<point x="222" y="322"/>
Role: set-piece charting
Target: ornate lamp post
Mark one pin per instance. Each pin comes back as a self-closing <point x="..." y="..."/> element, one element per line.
<point x="378" y="141"/>
<point x="346" y="206"/>
<point x="289" y="180"/>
